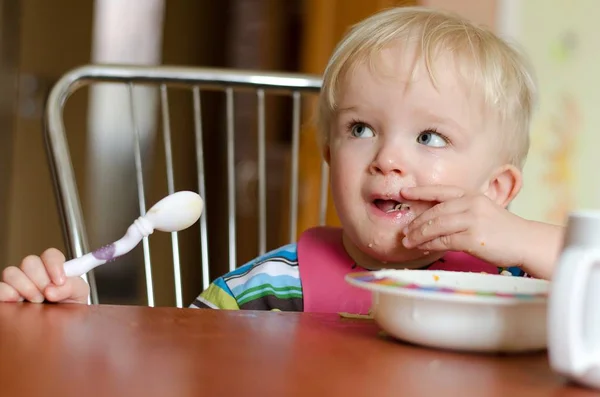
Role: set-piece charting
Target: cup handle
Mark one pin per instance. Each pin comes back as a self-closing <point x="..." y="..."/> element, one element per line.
<point x="566" y="311"/>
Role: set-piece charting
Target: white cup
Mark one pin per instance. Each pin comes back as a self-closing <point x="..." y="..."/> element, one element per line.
<point x="574" y="302"/>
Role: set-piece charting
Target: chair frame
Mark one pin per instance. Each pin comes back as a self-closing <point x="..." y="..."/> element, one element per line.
<point x="197" y="79"/>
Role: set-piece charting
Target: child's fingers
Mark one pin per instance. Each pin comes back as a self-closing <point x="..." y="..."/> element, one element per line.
<point x="443" y="209"/>
<point x="435" y="193"/>
<point x="8" y="293"/>
<point x="15" y="277"/>
<point x="75" y="290"/>
<point x="436" y="228"/>
<point x="453" y="242"/>
<point x="54" y="261"/>
<point x="34" y="269"/>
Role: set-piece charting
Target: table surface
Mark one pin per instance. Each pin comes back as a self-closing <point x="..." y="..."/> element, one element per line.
<point x="78" y="350"/>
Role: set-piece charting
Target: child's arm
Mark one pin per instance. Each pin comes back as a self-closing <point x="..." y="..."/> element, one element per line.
<point x="540" y="247"/>
<point x="474" y="224"/>
<point x="42" y="278"/>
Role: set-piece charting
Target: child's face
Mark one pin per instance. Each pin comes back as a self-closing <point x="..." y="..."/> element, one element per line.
<point x="388" y="135"/>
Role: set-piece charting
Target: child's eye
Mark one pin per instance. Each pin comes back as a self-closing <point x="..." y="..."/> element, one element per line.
<point x="361" y="130"/>
<point x="432" y="138"/>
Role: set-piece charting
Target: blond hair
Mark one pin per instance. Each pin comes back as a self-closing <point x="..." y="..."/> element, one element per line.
<point x="498" y="69"/>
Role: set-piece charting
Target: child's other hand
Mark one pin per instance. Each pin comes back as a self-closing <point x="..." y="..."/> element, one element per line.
<point x="43" y="277"/>
<point x="471" y="223"/>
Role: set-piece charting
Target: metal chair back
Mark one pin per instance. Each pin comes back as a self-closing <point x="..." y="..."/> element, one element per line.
<point x="196" y="81"/>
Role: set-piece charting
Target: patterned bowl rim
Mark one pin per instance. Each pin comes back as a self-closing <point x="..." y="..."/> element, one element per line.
<point x="382" y="281"/>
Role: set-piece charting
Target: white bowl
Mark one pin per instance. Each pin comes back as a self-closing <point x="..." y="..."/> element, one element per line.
<point x="463" y="311"/>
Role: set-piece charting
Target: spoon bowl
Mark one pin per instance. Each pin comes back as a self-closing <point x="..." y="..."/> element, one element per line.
<point x="176" y="212"/>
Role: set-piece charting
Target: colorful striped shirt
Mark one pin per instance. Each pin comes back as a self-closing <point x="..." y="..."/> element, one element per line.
<point x="269" y="282"/>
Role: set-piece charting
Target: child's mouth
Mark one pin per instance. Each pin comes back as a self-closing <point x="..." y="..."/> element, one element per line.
<point x="391" y="206"/>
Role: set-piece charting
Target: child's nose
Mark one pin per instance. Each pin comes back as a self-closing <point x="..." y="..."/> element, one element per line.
<point x="387" y="161"/>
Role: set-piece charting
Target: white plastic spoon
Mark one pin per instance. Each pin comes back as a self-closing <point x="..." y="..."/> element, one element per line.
<point x="173" y="213"/>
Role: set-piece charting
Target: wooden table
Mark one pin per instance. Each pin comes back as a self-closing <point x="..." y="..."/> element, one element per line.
<point x="77" y="350"/>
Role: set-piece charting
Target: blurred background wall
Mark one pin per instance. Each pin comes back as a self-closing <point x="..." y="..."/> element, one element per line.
<point x="40" y="40"/>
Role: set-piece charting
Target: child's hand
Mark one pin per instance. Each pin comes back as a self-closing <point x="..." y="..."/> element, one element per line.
<point x="43" y="277"/>
<point x="466" y="222"/>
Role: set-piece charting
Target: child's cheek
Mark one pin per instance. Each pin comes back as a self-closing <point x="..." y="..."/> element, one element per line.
<point x="439" y="172"/>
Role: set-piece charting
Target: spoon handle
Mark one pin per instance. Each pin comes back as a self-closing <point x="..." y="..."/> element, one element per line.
<point x="140" y="228"/>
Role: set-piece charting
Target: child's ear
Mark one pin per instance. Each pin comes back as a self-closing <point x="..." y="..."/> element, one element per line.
<point x="504" y="185"/>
